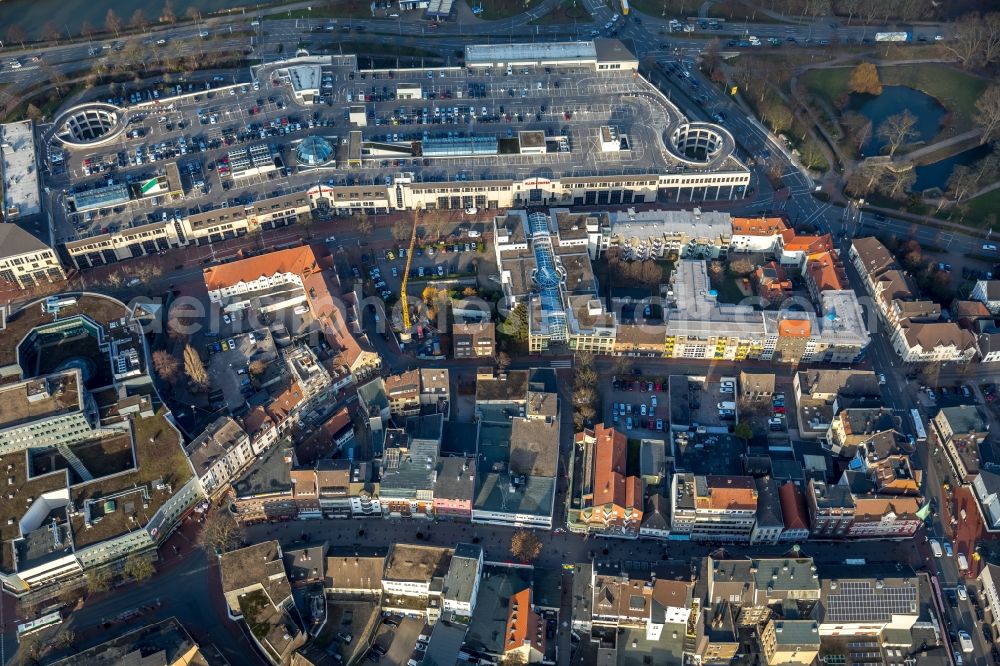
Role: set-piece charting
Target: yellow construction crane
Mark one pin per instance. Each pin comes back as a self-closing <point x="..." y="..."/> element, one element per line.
<point x="405" y="334"/>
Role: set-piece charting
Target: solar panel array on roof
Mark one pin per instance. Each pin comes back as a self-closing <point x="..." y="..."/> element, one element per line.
<point x="868" y="601"/>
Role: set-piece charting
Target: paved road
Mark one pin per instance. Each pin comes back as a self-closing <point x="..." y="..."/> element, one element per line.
<point x="557" y="548"/>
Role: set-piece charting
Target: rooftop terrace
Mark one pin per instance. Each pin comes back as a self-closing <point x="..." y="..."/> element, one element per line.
<point x="37" y="399"/>
<point x="162" y="470"/>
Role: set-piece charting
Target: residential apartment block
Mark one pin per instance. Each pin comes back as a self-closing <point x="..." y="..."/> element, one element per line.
<point x="916" y="332"/>
<point x="473" y="340"/>
<point x="701" y="327"/>
<point x="25" y="261"/>
<point x="714" y="508"/>
<point x="217" y="454"/>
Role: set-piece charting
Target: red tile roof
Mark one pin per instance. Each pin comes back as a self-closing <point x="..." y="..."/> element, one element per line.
<point x="285" y="402"/>
<point x="523" y="624"/>
<point x="793" y="507"/>
<point x="792" y="242"/>
<point x="296" y="260"/>
<point x="794" y="328"/>
<point x="256" y="421"/>
<point x="758" y="226"/>
<point x="826" y="271"/>
<point x="611" y="485"/>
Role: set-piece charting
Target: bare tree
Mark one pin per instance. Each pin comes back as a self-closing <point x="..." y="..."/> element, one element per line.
<point x="991" y="41"/>
<point x="113" y="22"/>
<point x="87" y="28"/>
<point x="898" y="182"/>
<point x="98" y="580"/>
<point x="776" y="113"/>
<point x="138" y="567"/>
<point x="194" y="368"/>
<point x="852" y="7"/>
<point x="193" y="13"/>
<point x="15" y="33"/>
<point x="968" y="39"/>
<point x="503" y="362"/>
<point x="525" y="545"/>
<point x="963" y="182"/>
<point x="897" y="129"/>
<point x="50" y="32"/>
<point x="168" y="15"/>
<point x="33" y="113"/>
<point x="138" y="20"/>
<point x="29" y="651"/>
<point x="364" y="224"/>
<point x="583" y="416"/>
<point x="401" y="230"/>
<point x="859" y="128"/>
<point x="812" y="154"/>
<point x="166" y="366"/>
<point x="987" y="113"/>
<point x="66" y="638"/>
<point x="220" y="533"/>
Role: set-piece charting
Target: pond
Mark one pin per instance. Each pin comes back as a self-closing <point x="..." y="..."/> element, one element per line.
<point x="936" y="174"/>
<point x="893" y="100"/>
<point x="32" y="15"/>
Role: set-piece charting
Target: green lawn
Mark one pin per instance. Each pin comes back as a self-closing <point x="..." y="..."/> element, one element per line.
<point x="956" y="90"/>
<point x="682" y="9"/>
<point x="494" y="10"/>
<point x="343" y="9"/>
<point x="568" y="11"/>
<point x="979" y="209"/>
<point x="827" y="84"/>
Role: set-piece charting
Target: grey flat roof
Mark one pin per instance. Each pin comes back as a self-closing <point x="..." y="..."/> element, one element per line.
<point x="551" y="52"/>
<point x="20" y="173"/>
<point x="15" y="241"/>
<point x="463" y="573"/>
<point x="270" y="474"/>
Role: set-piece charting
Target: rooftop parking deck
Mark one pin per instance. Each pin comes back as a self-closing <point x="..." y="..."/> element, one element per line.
<point x="564" y="104"/>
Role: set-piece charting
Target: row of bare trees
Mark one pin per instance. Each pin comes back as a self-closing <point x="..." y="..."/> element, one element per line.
<point x="113" y="23"/>
<point x="585" y="396"/>
<point x="975" y="39"/>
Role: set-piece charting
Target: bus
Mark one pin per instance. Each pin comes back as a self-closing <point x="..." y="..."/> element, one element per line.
<point x="918" y="425"/>
<point x="38" y="624"/>
<point x="624" y="7"/>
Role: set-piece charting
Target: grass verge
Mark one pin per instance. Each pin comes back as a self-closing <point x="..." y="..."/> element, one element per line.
<point x="340" y="9"/>
<point x="568" y="11"/>
<point x="982" y="211"/>
<point x="494" y="10"/>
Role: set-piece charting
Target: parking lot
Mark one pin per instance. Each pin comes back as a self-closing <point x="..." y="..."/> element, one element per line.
<point x="398" y="640"/>
<point x="198" y="124"/>
<point x="229" y="367"/>
<point x="638" y="405"/>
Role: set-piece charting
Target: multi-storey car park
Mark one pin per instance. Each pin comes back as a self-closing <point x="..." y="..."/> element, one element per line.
<point x="520" y="125"/>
